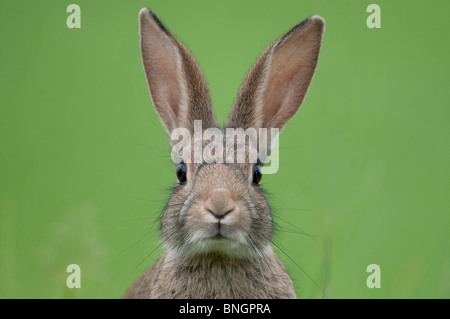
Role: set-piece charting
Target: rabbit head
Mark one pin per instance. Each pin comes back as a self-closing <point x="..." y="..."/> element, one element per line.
<point x="218" y="207"/>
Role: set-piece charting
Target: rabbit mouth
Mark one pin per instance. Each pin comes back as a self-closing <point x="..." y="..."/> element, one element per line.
<point x="220" y="231"/>
<point x="227" y="243"/>
<point x="222" y="240"/>
<point x="218" y="236"/>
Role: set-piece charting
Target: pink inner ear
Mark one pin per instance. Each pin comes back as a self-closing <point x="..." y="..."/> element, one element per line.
<point x="292" y="67"/>
<point x="160" y="58"/>
<point x="168" y="87"/>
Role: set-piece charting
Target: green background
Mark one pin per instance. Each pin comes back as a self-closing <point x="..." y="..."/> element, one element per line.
<point x="85" y="167"/>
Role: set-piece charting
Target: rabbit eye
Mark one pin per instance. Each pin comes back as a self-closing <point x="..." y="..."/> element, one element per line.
<point x="181" y="172"/>
<point x="257" y="174"/>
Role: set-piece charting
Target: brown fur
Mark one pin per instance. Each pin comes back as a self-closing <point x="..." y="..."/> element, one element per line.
<point x="214" y="277"/>
<point x="217" y="225"/>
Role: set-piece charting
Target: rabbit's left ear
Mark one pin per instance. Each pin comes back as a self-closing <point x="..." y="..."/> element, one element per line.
<point x="177" y="85"/>
<point x="276" y="85"/>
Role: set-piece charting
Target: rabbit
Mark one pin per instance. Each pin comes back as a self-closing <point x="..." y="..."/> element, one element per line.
<point x="217" y="225"/>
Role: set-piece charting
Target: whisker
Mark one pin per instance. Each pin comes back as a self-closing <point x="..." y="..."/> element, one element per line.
<point x="296" y="227"/>
<point x="304" y="272"/>
<point x="148" y="256"/>
<point x="292" y="197"/>
<point x="152" y="148"/>
<point x="127" y="220"/>
<point x="141" y="238"/>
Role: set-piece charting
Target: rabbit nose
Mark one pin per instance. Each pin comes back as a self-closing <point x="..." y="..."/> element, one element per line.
<point x="220" y="203"/>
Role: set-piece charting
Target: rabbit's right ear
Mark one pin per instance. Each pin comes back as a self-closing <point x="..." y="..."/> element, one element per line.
<point x="275" y="87"/>
<point x="177" y="85"/>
